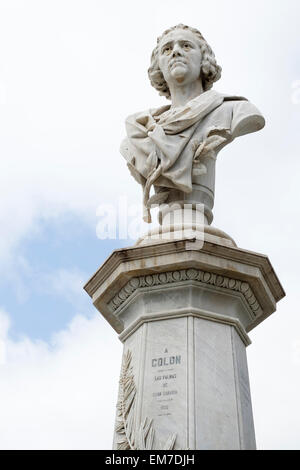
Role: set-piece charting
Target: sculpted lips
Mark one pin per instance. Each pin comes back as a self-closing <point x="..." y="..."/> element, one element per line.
<point x="174" y="62"/>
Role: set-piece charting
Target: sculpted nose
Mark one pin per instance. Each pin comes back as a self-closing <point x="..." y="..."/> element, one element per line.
<point x="176" y="51"/>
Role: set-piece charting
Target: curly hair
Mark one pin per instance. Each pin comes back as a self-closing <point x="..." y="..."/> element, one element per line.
<point x="210" y="70"/>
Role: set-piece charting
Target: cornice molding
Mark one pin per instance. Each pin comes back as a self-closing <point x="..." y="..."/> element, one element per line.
<point x="136" y="253"/>
<point x="197" y="275"/>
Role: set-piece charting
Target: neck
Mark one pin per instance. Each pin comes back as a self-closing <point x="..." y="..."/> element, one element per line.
<point x="182" y="94"/>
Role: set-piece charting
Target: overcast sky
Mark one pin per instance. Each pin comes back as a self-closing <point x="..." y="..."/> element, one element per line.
<point x="70" y="72"/>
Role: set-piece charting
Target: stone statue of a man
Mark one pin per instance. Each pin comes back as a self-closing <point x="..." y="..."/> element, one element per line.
<point x="174" y="148"/>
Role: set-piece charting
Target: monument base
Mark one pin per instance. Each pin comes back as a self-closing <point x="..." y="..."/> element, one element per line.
<point x="183" y="310"/>
<point x="162" y="234"/>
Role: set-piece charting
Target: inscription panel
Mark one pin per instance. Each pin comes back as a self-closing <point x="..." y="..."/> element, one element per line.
<point x="165" y="382"/>
<point x="165" y="378"/>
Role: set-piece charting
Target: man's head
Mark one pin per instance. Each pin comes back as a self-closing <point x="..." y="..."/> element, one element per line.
<point x="183" y="55"/>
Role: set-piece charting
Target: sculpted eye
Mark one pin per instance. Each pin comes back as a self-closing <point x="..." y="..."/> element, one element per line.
<point x="167" y="50"/>
<point x="187" y="47"/>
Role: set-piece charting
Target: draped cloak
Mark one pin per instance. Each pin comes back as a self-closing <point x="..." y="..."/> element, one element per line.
<point x="161" y="143"/>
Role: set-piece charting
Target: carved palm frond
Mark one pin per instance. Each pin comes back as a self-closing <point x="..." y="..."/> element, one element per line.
<point x="158" y="198"/>
<point x="125" y="425"/>
<point x="125" y="406"/>
<point x="146" y="435"/>
<point x="170" y="443"/>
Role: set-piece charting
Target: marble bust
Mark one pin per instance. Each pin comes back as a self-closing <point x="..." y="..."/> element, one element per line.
<point x="173" y="149"/>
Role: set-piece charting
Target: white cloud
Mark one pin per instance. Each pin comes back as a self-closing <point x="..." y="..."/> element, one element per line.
<point x="60" y="395"/>
<point x="275" y="383"/>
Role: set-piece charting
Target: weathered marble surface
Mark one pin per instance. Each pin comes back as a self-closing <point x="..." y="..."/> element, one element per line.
<point x="183" y="311"/>
<point x="129" y="263"/>
<point x="192" y="381"/>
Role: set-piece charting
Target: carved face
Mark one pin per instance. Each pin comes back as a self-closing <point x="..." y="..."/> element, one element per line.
<point x="180" y="57"/>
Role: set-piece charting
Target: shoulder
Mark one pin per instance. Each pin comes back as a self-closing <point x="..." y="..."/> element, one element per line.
<point x="246" y="117"/>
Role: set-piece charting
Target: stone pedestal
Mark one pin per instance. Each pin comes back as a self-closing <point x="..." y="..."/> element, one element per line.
<point x="183" y="310"/>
